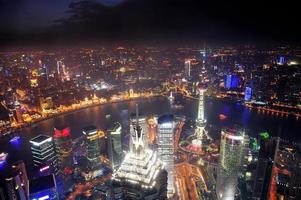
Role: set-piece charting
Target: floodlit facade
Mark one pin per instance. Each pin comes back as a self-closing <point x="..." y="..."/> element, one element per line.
<point x="230" y="163"/>
<point x="187" y="69"/>
<point x="141" y="175"/>
<point x="92" y="146"/>
<point x="63" y="148"/>
<point x="116" y="138"/>
<point x="166" y="148"/>
<point x="115" y="145"/>
<point x="43" y="152"/>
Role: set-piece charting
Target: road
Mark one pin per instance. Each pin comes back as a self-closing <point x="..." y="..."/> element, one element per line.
<point x="186" y="177"/>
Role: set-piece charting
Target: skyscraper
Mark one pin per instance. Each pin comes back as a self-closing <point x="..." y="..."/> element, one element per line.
<point x="43" y="152"/>
<point x="63" y="148"/>
<point x="92" y="146"/>
<point x="264" y="166"/>
<point x="43" y="188"/>
<point x="152" y="130"/>
<point x="17" y="110"/>
<point x="115" y="144"/>
<point x="141" y="175"/>
<point x="231" y="81"/>
<point x="14" y="188"/>
<point x="61" y="71"/>
<point x="14" y="183"/>
<point x="20" y="169"/>
<point x="278" y="170"/>
<point x="166" y="148"/>
<point x="187" y="69"/>
<point x="248" y="94"/>
<point x="203" y="58"/>
<point x="230" y="163"/>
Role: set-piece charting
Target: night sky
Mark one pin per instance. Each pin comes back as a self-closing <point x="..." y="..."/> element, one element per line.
<point x="149" y="20"/>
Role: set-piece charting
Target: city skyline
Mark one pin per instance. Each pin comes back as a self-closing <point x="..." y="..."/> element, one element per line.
<point x="150" y="99"/>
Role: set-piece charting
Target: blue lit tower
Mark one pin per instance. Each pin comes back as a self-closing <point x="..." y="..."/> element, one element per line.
<point x="248" y="94"/>
<point x="166" y="148"/>
<point x="200" y="120"/>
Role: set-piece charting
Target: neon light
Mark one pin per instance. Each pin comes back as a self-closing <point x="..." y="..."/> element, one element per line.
<point x="248" y="93"/>
<point x="44" y="168"/>
<point x="40" y="143"/>
<point x="265" y="135"/>
<point x="255" y="144"/>
<point x="3" y="157"/>
<point x="14" y="139"/>
<point x="234" y="137"/>
<point x="62" y="133"/>
<point x="90" y="133"/>
<point x="44" y="197"/>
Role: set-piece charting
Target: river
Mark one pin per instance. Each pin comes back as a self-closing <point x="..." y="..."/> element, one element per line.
<point x="253" y="121"/>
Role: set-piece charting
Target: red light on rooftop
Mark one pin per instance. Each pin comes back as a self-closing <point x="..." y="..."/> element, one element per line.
<point x="62" y="133"/>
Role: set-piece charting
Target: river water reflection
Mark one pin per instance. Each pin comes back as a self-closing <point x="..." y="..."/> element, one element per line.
<point x="251" y="120"/>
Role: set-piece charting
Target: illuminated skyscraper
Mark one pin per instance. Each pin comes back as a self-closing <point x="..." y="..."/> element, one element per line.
<point x="141" y="175"/>
<point x="59" y="67"/>
<point x="116" y="137"/>
<point x="231" y="81"/>
<point x="281" y="60"/>
<point x="43" y="152"/>
<point x="248" y="94"/>
<point x="62" y="71"/>
<point x="266" y="158"/>
<point x="200" y="121"/>
<point x="165" y="147"/>
<point x="17" y="182"/>
<point x="278" y="169"/>
<point x="18" y="112"/>
<point x="230" y="163"/>
<point x="20" y="169"/>
<point x="15" y="113"/>
<point x="14" y="188"/>
<point x="152" y="130"/>
<point x="92" y="146"/>
<point x="187" y="69"/>
<point x="203" y="59"/>
<point x="115" y="144"/>
<point x="63" y="148"/>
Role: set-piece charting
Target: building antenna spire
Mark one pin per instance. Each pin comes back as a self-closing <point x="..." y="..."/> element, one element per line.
<point x="137" y="114"/>
<point x="138" y="128"/>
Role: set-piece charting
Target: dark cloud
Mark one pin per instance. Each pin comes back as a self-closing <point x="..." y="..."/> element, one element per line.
<point x="150" y="20"/>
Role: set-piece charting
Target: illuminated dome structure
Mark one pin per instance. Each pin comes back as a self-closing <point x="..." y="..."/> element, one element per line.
<point x="141" y="175"/>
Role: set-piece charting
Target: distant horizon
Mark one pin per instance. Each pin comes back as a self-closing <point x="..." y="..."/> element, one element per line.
<point x="189" y="21"/>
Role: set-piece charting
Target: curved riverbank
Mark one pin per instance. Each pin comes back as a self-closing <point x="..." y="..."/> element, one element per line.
<point x="12" y="130"/>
